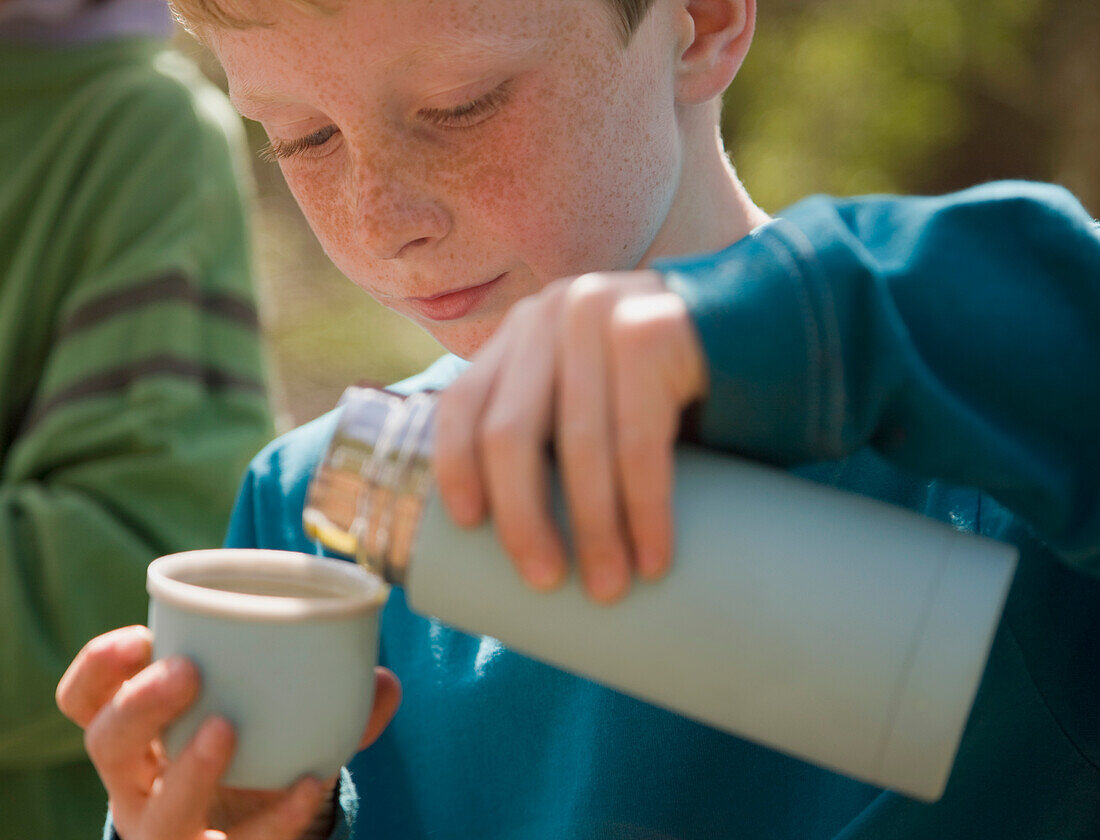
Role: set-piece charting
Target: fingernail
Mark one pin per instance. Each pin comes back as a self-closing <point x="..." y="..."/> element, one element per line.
<point x="607" y="583"/>
<point x="167" y="671"/>
<point x="176" y="666"/>
<point x="133" y="648"/>
<point x="544" y="572"/>
<point x="178" y="672"/>
<point x="650" y="564"/>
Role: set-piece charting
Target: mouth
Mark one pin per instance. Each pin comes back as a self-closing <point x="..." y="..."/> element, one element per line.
<point x="455" y="304"/>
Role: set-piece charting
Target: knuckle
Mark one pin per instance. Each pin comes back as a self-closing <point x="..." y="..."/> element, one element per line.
<point x="447" y="470"/>
<point x="596" y="544"/>
<point x="500" y="434"/>
<point x="449" y="452"/>
<point x="635" y="442"/>
<point x="647" y="510"/>
<point x="527" y="310"/>
<point x="452" y="403"/>
<point x="527" y="306"/>
<point x="580" y="440"/>
<point x="594" y="521"/>
<point x="97" y="738"/>
<point x="592" y="284"/>
<point x="446" y="400"/>
<point x="628" y="337"/>
<point x="588" y="293"/>
<point x="635" y="327"/>
<point x="559" y="286"/>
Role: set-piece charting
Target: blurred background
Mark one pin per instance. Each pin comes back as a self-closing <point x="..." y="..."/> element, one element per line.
<point x="837" y="96"/>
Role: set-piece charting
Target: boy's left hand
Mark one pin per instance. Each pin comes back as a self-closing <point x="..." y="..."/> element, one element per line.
<point x="123" y="702"/>
<point x="602" y="365"/>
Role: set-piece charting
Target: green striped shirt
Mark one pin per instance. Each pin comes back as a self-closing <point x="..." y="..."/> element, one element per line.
<point x="131" y="385"/>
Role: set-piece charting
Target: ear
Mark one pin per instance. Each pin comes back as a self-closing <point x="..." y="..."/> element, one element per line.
<point x="715" y="37"/>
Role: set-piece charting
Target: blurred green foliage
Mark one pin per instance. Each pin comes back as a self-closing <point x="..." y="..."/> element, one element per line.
<point x="857" y="96"/>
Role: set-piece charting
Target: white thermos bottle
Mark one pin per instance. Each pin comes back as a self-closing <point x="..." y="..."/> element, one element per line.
<point x="824" y="624"/>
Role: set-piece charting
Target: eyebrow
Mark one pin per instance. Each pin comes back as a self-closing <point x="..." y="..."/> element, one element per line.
<point x="467" y="47"/>
<point x="255" y="96"/>
<point x="443" y="48"/>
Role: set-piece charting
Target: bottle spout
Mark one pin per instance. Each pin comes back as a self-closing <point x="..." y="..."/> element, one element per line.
<point x="366" y="495"/>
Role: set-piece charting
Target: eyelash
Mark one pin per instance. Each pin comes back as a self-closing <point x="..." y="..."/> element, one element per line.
<point x="471" y="113"/>
<point x="465" y="115"/>
<point x="275" y="150"/>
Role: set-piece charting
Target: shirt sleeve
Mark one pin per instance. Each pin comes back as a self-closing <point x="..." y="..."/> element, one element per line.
<point x="150" y="402"/>
<point x="958" y="336"/>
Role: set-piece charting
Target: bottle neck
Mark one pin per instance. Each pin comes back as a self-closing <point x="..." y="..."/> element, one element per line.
<point x="367" y="494"/>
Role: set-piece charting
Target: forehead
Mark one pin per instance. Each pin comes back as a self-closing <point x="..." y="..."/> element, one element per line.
<point x="363" y="39"/>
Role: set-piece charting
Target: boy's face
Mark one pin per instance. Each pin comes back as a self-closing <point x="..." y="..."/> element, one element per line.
<point x="453" y="156"/>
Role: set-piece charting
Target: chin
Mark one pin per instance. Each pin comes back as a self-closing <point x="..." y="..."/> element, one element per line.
<point x="460" y="338"/>
<point x="466" y="345"/>
<point x="463" y="347"/>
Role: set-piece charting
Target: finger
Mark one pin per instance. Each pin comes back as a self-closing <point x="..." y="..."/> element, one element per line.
<point x="644" y="463"/>
<point x="307" y="802"/>
<point x="98" y="671"/>
<point x="584" y="444"/>
<point x="512" y="444"/>
<point x="455" y="466"/>
<point x="387" y="698"/>
<point x="119" y="738"/>
<point x="179" y="805"/>
<point x="655" y="377"/>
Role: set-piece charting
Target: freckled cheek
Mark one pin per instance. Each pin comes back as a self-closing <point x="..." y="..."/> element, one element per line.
<point x="503" y="191"/>
<point x="548" y="196"/>
<point x="602" y="172"/>
<point x="603" y="206"/>
<point x="322" y="202"/>
<point x="630" y="171"/>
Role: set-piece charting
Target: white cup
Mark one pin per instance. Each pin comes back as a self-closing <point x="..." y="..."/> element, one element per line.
<point x="286" y="644"/>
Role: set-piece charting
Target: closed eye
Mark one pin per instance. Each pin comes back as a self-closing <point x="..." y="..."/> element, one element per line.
<point x="468" y="113"/>
<point x="275" y="150"/>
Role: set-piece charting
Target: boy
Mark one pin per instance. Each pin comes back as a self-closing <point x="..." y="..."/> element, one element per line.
<point x="456" y="159"/>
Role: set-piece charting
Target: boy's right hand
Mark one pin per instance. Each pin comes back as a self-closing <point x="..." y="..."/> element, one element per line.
<point x="123" y="703"/>
<point x="602" y="366"/>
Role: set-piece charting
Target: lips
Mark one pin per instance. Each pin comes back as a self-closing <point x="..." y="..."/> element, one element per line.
<point x="450" y="306"/>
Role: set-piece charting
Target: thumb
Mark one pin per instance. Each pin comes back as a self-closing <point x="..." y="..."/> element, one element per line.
<point x="658" y="329"/>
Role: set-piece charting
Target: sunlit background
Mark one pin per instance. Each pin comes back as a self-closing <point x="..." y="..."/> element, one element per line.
<point x="837" y="96"/>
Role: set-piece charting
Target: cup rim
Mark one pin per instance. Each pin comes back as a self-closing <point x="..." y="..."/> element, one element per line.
<point x="365" y="590"/>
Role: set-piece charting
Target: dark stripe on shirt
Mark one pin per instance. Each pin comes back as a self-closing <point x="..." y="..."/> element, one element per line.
<point x="119" y="379"/>
<point x="174" y="286"/>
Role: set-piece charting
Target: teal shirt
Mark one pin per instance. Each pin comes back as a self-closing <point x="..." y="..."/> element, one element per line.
<point x="940" y="354"/>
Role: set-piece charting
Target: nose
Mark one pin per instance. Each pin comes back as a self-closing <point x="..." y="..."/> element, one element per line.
<point x="396" y="213"/>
